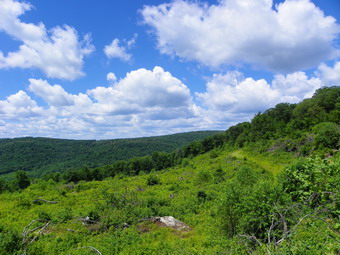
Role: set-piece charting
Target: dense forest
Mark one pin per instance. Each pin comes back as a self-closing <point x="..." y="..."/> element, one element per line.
<point x="268" y="186"/>
<point x="41" y="155"/>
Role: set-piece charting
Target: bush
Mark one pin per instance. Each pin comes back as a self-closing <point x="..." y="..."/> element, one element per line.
<point x="21" y="180"/>
<point x="10" y="241"/>
<point x="203" y="177"/>
<point x="201" y="196"/>
<point x="311" y="177"/>
<point x="327" y="135"/>
<point x="153" y="180"/>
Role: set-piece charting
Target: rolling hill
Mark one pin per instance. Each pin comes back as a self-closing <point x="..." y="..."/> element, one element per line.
<point x="41" y="155"/>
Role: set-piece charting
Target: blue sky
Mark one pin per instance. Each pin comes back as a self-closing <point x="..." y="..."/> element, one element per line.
<point x="114" y="69"/>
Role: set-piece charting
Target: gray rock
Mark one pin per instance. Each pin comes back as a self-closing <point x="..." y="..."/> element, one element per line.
<point x="171" y="222"/>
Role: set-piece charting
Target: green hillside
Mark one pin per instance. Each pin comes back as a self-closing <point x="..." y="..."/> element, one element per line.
<point x="41" y="155"/>
<point x="268" y="186"/>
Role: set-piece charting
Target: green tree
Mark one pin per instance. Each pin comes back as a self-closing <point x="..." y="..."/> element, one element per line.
<point x="3" y="185"/>
<point x="327" y="135"/>
<point x="21" y="179"/>
<point x="307" y="114"/>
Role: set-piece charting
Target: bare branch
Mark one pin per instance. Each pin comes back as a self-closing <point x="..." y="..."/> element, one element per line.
<point x="251" y="238"/>
<point x="90" y="247"/>
<point x="26" y="231"/>
<point x="25" y="239"/>
<point x="45" y="201"/>
<point x="270" y="229"/>
<point x="40" y="231"/>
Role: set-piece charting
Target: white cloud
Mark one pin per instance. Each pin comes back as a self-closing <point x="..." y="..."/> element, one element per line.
<point x="113" y="50"/>
<point x="293" y="36"/>
<point x="296" y="86"/>
<point x="330" y="75"/>
<point x="53" y="95"/>
<point x="233" y="93"/>
<point x="132" y="41"/>
<point x="142" y="90"/>
<point x="231" y="98"/>
<point x="19" y="105"/>
<point x="111" y="77"/>
<point x="116" y="50"/>
<point x="56" y="52"/>
<point x="147" y="102"/>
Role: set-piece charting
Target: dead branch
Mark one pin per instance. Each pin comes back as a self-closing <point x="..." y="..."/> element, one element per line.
<point x="270" y="229"/>
<point x="40" y="231"/>
<point x="39" y="200"/>
<point x="292" y="229"/>
<point x="90" y="247"/>
<point x="26" y="229"/>
<point x="25" y="239"/>
<point x="251" y="238"/>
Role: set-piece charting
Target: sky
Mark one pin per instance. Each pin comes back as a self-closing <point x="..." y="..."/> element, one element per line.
<point x="125" y="68"/>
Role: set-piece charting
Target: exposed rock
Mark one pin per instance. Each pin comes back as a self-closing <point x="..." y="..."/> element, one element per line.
<point x="170" y="222"/>
<point x="140" y="189"/>
<point x="125" y="225"/>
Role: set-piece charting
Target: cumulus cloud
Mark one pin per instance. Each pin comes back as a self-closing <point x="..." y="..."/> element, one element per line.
<point x="331" y="75"/>
<point x="234" y="93"/>
<point x="149" y="102"/>
<point x="296" y="86"/>
<point x="19" y="105"/>
<point x="53" y="95"/>
<point x="111" y="77"/>
<point x="144" y="102"/>
<point x="142" y="90"/>
<point x="233" y="98"/>
<point x="116" y="50"/>
<point x="293" y="35"/>
<point x="57" y="52"/>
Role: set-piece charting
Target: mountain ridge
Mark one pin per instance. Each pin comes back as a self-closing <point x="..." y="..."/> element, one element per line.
<point x="53" y="154"/>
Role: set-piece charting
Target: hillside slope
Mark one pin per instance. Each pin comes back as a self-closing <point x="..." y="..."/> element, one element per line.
<point x="227" y="200"/>
<point x="41" y="155"/>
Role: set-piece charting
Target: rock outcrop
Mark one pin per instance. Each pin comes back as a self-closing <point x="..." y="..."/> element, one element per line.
<point x="170" y="222"/>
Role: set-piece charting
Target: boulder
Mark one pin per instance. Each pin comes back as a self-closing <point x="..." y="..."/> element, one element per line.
<point x="170" y="222"/>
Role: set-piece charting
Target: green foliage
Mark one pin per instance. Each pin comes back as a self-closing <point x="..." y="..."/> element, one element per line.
<point x="236" y="199"/>
<point x="293" y="125"/>
<point x="10" y="241"/>
<point x="307" y="114"/>
<point x="201" y="196"/>
<point x="203" y="177"/>
<point x="44" y="155"/>
<point x="21" y="180"/>
<point x="219" y="175"/>
<point x="3" y="185"/>
<point x="153" y="180"/>
<point x="312" y="177"/>
<point x="327" y="135"/>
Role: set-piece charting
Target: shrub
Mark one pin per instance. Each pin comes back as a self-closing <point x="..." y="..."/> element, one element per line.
<point x="203" y="177"/>
<point x="10" y="241"/>
<point x="201" y="196"/>
<point x="153" y="180"/>
<point x="327" y="135"/>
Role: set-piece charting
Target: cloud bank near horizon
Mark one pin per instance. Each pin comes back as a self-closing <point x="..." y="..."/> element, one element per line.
<point x="151" y="102"/>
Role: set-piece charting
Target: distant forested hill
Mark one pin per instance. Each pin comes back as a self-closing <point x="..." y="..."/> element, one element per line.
<point x="39" y="155"/>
